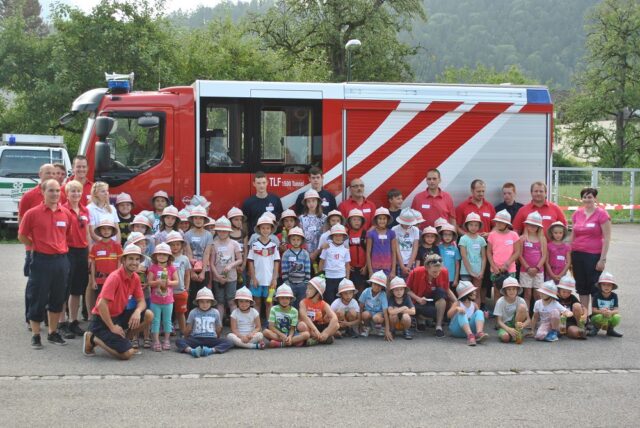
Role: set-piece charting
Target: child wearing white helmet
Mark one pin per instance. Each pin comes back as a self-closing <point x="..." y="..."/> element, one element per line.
<point x="605" y="312"/>
<point x="263" y="262"/>
<point x="240" y="235"/>
<point x="373" y="306"/>
<point x="296" y="265"/>
<point x="312" y="221"/>
<point x="547" y="310"/>
<point x="558" y="252"/>
<point x="226" y="256"/>
<point x="573" y="325"/>
<point x="321" y="321"/>
<point x="533" y="256"/>
<point x="284" y="330"/>
<point x="450" y="252"/>
<point x="357" y="248"/>
<point x="103" y="258"/>
<point x="335" y="262"/>
<point x="429" y="239"/>
<point x="141" y="223"/>
<point x="198" y="246"/>
<point x="401" y="308"/>
<point x="503" y="250"/>
<point x="347" y="309"/>
<point x="246" y="329"/>
<point x="163" y="278"/>
<point x="511" y="312"/>
<point x="473" y="252"/>
<point x="382" y="247"/>
<point x="288" y="220"/>
<point x="159" y="201"/>
<point x="333" y="217"/>
<point x="124" y="205"/>
<point x="204" y="326"/>
<point x="407" y="237"/>
<point x="183" y="268"/>
<point x="467" y="320"/>
<point x="169" y="220"/>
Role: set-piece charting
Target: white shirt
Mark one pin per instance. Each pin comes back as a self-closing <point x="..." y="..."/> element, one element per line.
<point x="246" y="321"/>
<point x="264" y="258"/>
<point x="335" y="260"/>
<point x="405" y="239"/>
<point x="338" y="305"/>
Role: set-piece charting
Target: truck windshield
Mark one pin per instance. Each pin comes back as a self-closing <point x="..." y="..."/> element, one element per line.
<point x="84" y="143"/>
<point x="25" y="163"/>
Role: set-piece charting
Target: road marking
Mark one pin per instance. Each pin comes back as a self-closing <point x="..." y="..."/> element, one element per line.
<point x="498" y="373"/>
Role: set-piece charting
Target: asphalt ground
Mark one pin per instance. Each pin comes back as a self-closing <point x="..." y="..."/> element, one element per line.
<point x="364" y="381"/>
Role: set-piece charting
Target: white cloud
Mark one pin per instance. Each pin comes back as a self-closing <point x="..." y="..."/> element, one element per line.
<point x="170" y="5"/>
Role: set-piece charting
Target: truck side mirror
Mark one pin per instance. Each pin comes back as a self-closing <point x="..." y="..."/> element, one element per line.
<point x="102" y="157"/>
<point x="104" y="125"/>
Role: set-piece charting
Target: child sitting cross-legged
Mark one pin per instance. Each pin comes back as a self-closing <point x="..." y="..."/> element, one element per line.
<point x="284" y="330"/>
<point x="246" y="329"/>
<point x="320" y="320"/>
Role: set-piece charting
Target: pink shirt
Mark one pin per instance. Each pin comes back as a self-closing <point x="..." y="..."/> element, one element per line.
<point x="587" y="232"/>
<point x="156" y="296"/>
<point x="502" y="247"/>
<point x="557" y="254"/>
<point x="531" y="253"/>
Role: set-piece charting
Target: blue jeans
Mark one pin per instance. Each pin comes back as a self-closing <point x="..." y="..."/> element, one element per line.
<point x="300" y="291"/>
<point x="220" y="345"/>
<point x="161" y="312"/>
<point x="456" y="324"/>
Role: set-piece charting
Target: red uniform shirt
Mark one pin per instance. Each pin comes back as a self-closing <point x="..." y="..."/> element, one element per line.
<point x="105" y="257"/>
<point x="367" y="207"/>
<point x="79" y="225"/>
<point x="47" y="229"/>
<point x="357" y="242"/>
<point x="29" y="200"/>
<point x="433" y="207"/>
<point x="422" y="285"/>
<point x="86" y="191"/>
<point x="549" y="211"/>
<point x="485" y="211"/>
<point x="117" y="290"/>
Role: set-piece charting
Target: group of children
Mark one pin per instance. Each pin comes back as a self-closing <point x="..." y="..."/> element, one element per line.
<point x="304" y="280"/>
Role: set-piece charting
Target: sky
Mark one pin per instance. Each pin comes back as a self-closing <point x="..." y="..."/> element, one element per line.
<point x="87" y="5"/>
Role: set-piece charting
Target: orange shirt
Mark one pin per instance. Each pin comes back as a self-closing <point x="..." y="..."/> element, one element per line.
<point x="316" y="311"/>
<point x="47" y="229"/>
<point x="105" y="257"/>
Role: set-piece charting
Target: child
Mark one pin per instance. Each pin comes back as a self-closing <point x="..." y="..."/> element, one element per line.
<point x="374" y="305"/>
<point x="428" y="245"/>
<point x="381" y="245"/>
<point x="473" y="252"/>
<point x="246" y="329"/>
<point x="263" y="261"/>
<point x="199" y="243"/>
<point x="183" y="268"/>
<point x="503" y="249"/>
<point x="210" y="226"/>
<point x="357" y="249"/>
<point x="159" y="202"/>
<point x="288" y="220"/>
<point x="401" y="308"/>
<point x="467" y="320"/>
<point x="547" y="310"/>
<point x="407" y="236"/>
<point x="141" y="224"/>
<point x="346" y="309"/>
<point x="511" y="312"/>
<point x="104" y="258"/>
<point x="533" y="255"/>
<point x="312" y="221"/>
<point x="334" y="261"/>
<point x="124" y="205"/>
<point x="204" y="326"/>
<point x="395" y="199"/>
<point x="140" y="241"/>
<point x="450" y="253"/>
<point x="183" y="225"/>
<point x="558" y="260"/>
<point x="296" y="265"/>
<point x="239" y="234"/>
<point x="283" y="321"/>
<point x="573" y="325"/>
<point x="168" y="223"/>
<point x="605" y="313"/>
<point x="334" y="217"/>
<point x="162" y="278"/>
<point x="226" y="256"/>
<point x="316" y="314"/>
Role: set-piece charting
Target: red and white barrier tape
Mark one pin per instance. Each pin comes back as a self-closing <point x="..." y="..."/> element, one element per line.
<point x="609" y="207"/>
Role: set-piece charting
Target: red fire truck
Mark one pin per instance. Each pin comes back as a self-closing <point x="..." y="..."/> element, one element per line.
<point x="211" y="137"/>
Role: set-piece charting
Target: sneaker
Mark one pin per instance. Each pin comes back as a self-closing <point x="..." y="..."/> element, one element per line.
<point x="74" y="326"/>
<point x="312" y="342"/>
<point x="552" y="336"/>
<point x="481" y="337"/>
<point x="421" y="326"/>
<point x="329" y="340"/>
<point x="611" y="332"/>
<point x="365" y="332"/>
<point x="592" y="330"/>
<point x="439" y="332"/>
<point x="260" y="345"/>
<point x="196" y="352"/>
<point x="36" y="342"/>
<point x="64" y="330"/>
<point x="379" y="332"/>
<point x="471" y="340"/>
<point x="276" y="344"/>
<point x="407" y="335"/>
<point x="206" y="351"/>
<point x="56" y="339"/>
<point x="87" y="347"/>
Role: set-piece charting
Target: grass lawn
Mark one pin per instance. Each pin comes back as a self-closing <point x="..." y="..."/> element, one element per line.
<point x="607" y="193"/>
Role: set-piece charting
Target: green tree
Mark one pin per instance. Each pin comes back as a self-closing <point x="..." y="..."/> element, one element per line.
<point x="604" y="110"/>
<point x="29" y="10"/>
<point x="483" y="74"/>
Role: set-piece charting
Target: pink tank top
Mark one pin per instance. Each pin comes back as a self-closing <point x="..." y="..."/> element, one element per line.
<point x="531" y="253"/>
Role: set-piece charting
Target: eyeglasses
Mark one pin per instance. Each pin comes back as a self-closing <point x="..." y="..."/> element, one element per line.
<point x="357" y="185"/>
<point x="435" y="261"/>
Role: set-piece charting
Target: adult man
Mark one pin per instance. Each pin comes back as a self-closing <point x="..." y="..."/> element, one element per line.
<point x="429" y="289"/>
<point x="34" y="196"/>
<point x="476" y="203"/>
<point x="549" y="211"/>
<point x="254" y="206"/>
<point x="45" y="228"/>
<point x="434" y="202"/>
<point x="509" y="202"/>
<point x="357" y="200"/>
<point x="328" y="201"/>
<point x="112" y="325"/>
<point x="79" y="173"/>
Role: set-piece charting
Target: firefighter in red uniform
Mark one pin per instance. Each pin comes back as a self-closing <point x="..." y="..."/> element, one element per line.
<point x="434" y="203"/>
<point x="357" y="200"/>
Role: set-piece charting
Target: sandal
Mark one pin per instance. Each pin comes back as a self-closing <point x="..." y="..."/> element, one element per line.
<point x="147" y="343"/>
<point x="135" y="343"/>
<point x="157" y="347"/>
<point x="166" y="345"/>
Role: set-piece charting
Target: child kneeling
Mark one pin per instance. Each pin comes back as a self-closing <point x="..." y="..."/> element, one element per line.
<point x="316" y="314"/>
<point x="246" y="329"/>
<point x="284" y="330"/>
<point x="467" y="320"/>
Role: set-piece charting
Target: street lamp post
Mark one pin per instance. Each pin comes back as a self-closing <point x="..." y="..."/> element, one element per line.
<point x="349" y="46"/>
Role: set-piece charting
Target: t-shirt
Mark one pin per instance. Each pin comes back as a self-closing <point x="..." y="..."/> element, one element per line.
<point x="198" y="242"/>
<point x="474" y="248"/>
<point x="374" y="304"/>
<point x="312" y="227"/>
<point x="181" y="264"/>
<point x="485" y="211"/>
<point x="394" y="219"/>
<point x="117" y="290"/>
<point x="511" y="209"/>
<point x="549" y="211"/>
<point x="598" y="301"/>
<point x="424" y="252"/>
<point x="264" y="257"/>
<point x="450" y="258"/>
<point x="405" y="239"/>
<point x="316" y="311"/>
<point x="557" y="256"/>
<point x="503" y="247"/>
<point x="123" y="225"/>
<point x="296" y="266"/>
<point x="434" y="207"/>
<point x="78" y="223"/>
<point x="204" y="323"/>
<point x="587" y="232"/>
<point x="405" y="301"/>
<point x="284" y="320"/>
<point x="254" y="237"/>
<point x="507" y="310"/>
<point x="223" y="254"/>
<point x="335" y="259"/>
<point x="157" y="296"/>
<point x="246" y="321"/>
<point x="569" y="302"/>
<point x="105" y="257"/>
<point x="253" y="207"/>
<point x="339" y="306"/>
<point x="545" y="311"/>
<point x="367" y="207"/>
<point x="422" y="285"/>
<point x="381" y="244"/>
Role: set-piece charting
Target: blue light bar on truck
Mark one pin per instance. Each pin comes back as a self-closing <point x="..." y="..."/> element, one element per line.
<point x="119" y="83"/>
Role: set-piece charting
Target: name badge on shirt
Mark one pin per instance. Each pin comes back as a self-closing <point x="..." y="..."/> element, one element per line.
<point x="61" y="223"/>
<point x="450" y="253"/>
<point x="591" y="225"/>
<point x="426" y="206"/>
<point x="366" y="210"/>
<point x="485" y="215"/>
<point x="546" y="217"/>
<point x="269" y="208"/>
<point x="84" y="217"/>
<point x="528" y="244"/>
<point x="560" y="258"/>
<point x="355" y="241"/>
<point x="476" y="246"/>
<point x="292" y="259"/>
<point x="195" y="239"/>
<point x="101" y="253"/>
<point x="176" y="265"/>
<point x="509" y="242"/>
<point x="325" y="203"/>
<point x="312" y="228"/>
<point x="382" y="236"/>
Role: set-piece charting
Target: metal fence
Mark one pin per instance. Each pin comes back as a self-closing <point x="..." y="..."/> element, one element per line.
<point x="617" y="189"/>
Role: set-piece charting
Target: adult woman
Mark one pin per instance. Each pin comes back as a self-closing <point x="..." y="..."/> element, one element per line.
<point x="589" y="244"/>
<point x="99" y="209"/>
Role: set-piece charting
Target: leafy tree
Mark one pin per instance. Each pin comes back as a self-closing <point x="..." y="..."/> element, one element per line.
<point x="29" y="10"/>
<point x="604" y="110"/>
<point x="484" y="74"/>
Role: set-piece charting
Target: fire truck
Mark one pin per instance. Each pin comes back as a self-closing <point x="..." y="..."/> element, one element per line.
<point x="210" y="138"/>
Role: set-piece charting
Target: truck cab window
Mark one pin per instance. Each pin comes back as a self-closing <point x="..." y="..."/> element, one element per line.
<point x="222" y="137"/>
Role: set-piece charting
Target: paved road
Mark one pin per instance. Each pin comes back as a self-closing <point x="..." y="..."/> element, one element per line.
<point x="353" y="382"/>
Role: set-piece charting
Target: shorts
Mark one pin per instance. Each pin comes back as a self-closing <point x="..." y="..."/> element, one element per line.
<point x="47" y="285"/>
<point x="180" y="302"/>
<point x="464" y="277"/>
<point x="114" y="341"/>
<point x="321" y="327"/>
<point x="224" y="292"/>
<point x="502" y="331"/>
<point x="528" y="281"/>
<point x="261" y="291"/>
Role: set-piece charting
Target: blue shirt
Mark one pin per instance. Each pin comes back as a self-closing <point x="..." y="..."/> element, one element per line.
<point x="374" y="304"/>
<point x="450" y="256"/>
